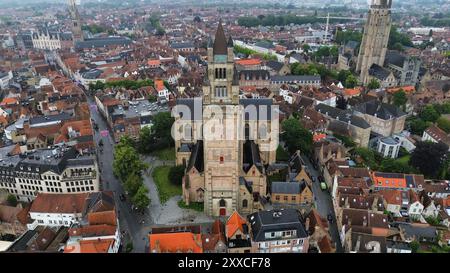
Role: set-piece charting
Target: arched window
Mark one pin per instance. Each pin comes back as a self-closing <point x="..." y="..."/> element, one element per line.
<point x="247" y="131"/>
<point x="222" y="203"/>
<point x="244" y="203"/>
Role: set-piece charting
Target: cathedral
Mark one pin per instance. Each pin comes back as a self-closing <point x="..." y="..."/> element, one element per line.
<point x="224" y="141"/>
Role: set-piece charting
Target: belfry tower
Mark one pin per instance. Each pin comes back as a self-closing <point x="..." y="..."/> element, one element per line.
<point x="76" y="22"/>
<point x="375" y="39"/>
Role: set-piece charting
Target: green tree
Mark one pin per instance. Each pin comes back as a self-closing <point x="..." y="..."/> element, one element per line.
<point x="395" y="166"/>
<point x="281" y="154"/>
<point x="162" y="129"/>
<point x="366" y="156"/>
<point x="140" y="199"/>
<point x="152" y="98"/>
<point x="11" y="200"/>
<point x="429" y="158"/>
<point x="395" y="37"/>
<point x="306" y="48"/>
<point x="373" y="84"/>
<point x="444" y="124"/>
<point x="417" y="126"/>
<point x="176" y="174"/>
<point x="146" y="140"/>
<point x="127" y="162"/>
<point x="398" y="46"/>
<point x="296" y="136"/>
<point x="343" y="74"/>
<point x="132" y="183"/>
<point x="399" y="98"/>
<point x="429" y="114"/>
<point x="414" y="246"/>
<point x="347" y="141"/>
<point x="351" y="81"/>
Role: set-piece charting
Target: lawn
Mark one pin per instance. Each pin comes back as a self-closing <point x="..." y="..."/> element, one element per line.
<point x="193" y="205"/>
<point x="165" y="154"/>
<point x="166" y="189"/>
<point x="404" y="159"/>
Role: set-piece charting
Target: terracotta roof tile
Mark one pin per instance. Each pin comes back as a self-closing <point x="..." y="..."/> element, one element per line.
<point x="183" y="242"/>
<point x="234" y="223"/>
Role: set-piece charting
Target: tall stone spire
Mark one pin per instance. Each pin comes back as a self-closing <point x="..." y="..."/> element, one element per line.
<point x="76" y="22"/>
<point x="220" y="41"/>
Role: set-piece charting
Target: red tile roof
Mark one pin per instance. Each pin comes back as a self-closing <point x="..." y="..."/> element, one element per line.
<point x="248" y="62"/>
<point x="104" y="217"/>
<point x="59" y="203"/>
<point x="183" y="242"/>
<point x="234" y="223"/>
<point x="90" y="246"/>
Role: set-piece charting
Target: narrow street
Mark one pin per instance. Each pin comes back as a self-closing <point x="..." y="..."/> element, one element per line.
<point x="129" y="221"/>
<point x="324" y="203"/>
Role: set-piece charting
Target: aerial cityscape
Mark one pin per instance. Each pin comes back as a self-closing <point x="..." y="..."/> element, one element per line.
<point x="247" y="126"/>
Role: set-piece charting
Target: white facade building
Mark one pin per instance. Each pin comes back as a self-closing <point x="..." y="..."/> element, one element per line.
<point x="388" y="147"/>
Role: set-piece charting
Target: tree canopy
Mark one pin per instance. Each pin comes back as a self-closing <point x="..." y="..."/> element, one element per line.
<point x="296" y="136"/>
<point x="429" y="158"/>
<point x="373" y="84"/>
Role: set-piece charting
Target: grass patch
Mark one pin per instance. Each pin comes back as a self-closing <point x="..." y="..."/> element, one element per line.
<point x="166" y="190"/>
<point x="193" y="205"/>
<point x="404" y="159"/>
<point x="165" y="154"/>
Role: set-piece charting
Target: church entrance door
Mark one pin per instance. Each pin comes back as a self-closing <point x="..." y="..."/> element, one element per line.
<point x="223" y="211"/>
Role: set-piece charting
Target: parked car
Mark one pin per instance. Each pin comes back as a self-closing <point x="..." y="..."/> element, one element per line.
<point x="323" y="186"/>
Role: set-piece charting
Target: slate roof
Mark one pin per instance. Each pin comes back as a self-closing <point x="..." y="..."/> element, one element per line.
<point x="196" y="159"/>
<point x="295" y="78"/>
<point x="263" y="107"/>
<point x="379" y="72"/>
<point x="195" y="107"/>
<point x="395" y="58"/>
<point x="419" y="232"/>
<point x="352" y="44"/>
<point x="251" y="156"/>
<point x="254" y="75"/>
<point x="288" y="187"/>
<point x="275" y="65"/>
<point x="272" y="221"/>
<point x="344" y="116"/>
<point x="102" y="42"/>
<point x="50" y="118"/>
<point x="220" y="46"/>
<point x="381" y="110"/>
<point x="182" y="45"/>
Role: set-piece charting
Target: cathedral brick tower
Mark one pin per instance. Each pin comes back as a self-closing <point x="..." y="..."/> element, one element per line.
<point x="222" y="153"/>
<point x="375" y="39"/>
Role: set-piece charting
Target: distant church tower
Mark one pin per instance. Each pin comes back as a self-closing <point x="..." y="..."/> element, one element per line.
<point x="77" y="33"/>
<point x="375" y="39"/>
